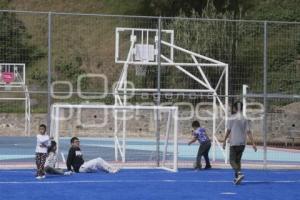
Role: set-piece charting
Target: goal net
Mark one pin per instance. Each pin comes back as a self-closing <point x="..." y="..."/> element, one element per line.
<point x="127" y="136"/>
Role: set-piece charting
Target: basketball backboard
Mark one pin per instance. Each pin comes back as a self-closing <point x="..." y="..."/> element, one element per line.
<point x="12" y="74"/>
<point x="140" y="46"/>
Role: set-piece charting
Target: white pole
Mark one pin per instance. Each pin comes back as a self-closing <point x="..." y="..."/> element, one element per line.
<point x="52" y="124"/>
<point x="172" y="49"/>
<point x="202" y="73"/>
<point x="116" y="129"/>
<point x="56" y="120"/>
<point x="124" y="115"/>
<point x="158" y="121"/>
<point x="123" y="81"/>
<point x="220" y="79"/>
<point x="151" y="63"/>
<point x="142" y="35"/>
<point x="188" y="73"/>
<point x="167" y="138"/>
<point x="56" y="127"/>
<point x="24" y="73"/>
<point x="214" y="128"/>
<point x="226" y="107"/>
<point x="175" y="116"/>
<point x="244" y="99"/>
<point x="117" y="46"/>
<point x="49" y="68"/>
<point x="147" y="38"/>
<point x="26" y="116"/>
<point x="265" y="78"/>
<point x="192" y="53"/>
<point x="166" y="90"/>
<point x="29" y="116"/>
<point x="129" y="107"/>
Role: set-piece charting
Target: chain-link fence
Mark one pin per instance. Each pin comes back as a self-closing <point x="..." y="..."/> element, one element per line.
<point x="70" y="58"/>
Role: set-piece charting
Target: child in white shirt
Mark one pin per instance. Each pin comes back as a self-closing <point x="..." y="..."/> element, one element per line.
<point x="42" y="144"/>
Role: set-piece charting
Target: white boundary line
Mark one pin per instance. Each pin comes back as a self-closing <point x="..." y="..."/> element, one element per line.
<point x="142" y="180"/>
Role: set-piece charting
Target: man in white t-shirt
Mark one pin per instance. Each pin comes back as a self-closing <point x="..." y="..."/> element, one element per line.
<point x="238" y="128"/>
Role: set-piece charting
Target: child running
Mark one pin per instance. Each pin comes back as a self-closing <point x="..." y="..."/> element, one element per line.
<point x="200" y="135"/>
<point x="42" y="144"/>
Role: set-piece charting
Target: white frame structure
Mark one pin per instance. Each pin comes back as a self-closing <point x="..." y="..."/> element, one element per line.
<point x="18" y="82"/>
<point x="121" y="89"/>
<point x="120" y="147"/>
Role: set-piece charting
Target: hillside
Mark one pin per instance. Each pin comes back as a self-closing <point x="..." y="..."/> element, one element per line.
<point x="86" y="43"/>
<point x="76" y="6"/>
<point x="79" y="43"/>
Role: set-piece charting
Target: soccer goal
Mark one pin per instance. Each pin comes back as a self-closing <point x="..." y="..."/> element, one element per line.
<point x="124" y="135"/>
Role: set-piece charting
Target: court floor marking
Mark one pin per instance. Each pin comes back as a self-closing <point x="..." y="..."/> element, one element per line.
<point x="228" y="171"/>
<point x="228" y="193"/>
<point x="142" y="181"/>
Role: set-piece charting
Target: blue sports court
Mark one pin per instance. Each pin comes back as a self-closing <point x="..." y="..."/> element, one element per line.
<point x="152" y="184"/>
<point x="187" y="183"/>
<point x="22" y="148"/>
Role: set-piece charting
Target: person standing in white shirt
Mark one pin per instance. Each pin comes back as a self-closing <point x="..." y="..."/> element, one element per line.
<point x="42" y="143"/>
<point x="238" y="128"/>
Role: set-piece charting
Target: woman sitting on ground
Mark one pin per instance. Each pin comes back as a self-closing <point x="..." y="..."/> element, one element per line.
<point x="52" y="160"/>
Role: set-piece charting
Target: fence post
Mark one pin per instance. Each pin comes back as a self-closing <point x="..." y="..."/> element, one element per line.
<point x="49" y="72"/>
<point x="265" y="128"/>
<point x="158" y="92"/>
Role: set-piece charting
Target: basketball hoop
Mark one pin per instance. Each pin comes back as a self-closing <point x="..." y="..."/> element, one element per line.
<point x="140" y="70"/>
<point x="7" y="78"/>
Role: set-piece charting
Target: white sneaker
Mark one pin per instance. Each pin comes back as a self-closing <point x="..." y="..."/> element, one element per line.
<point x="239" y="179"/>
<point x="68" y="173"/>
<point x="114" y="170"/>
<point x="40" y="177"/>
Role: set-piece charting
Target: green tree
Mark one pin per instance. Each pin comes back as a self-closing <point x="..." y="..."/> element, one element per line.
<point x="188" y="7"/>
<point x="170" y="7"/>
<point x="284" y="10"/>
<point x="218" y="39"/>
<point x="15" y="44"/>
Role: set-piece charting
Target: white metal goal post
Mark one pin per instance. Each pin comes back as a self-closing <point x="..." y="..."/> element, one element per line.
<point x="118" y="115"/>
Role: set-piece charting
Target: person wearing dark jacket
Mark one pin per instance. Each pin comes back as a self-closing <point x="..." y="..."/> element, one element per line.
<point x="76" y="163"/>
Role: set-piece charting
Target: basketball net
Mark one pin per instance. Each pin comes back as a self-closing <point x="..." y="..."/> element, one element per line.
<point x="140" y="70"/>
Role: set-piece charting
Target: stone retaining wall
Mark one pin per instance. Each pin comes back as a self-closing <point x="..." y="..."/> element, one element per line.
<point x="142" y="125"/>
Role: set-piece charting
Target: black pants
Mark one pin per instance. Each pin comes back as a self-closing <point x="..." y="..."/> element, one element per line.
<point x="235" y="157"/>
<point x="40" y="159"/>
<point x="203" y="151"/>
<point x="51" y="170"/>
